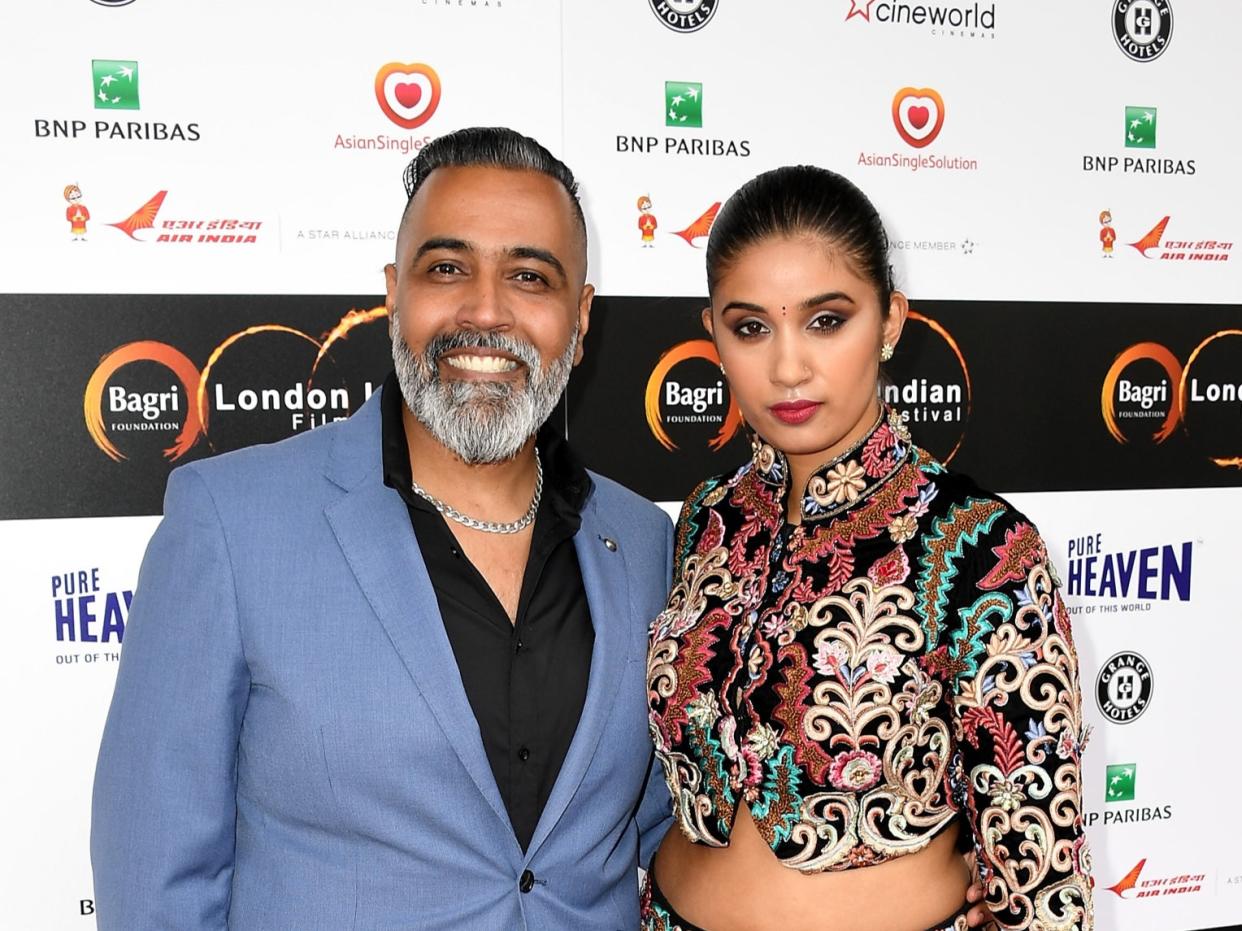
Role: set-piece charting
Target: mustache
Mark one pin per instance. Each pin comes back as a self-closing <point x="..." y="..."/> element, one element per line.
<point x="444" y="343"/>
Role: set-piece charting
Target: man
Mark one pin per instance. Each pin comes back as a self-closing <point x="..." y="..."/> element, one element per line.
<point x="391" y="673"/>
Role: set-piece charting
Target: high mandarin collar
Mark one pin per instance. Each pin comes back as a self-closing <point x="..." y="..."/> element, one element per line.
<point x="849" y="478"/>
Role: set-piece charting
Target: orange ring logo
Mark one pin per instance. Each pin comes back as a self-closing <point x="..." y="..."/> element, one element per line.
<point x="692" y="349"/>
<point x="945" y="335"/>
<point x="201" y="406"/>
<point x="1108" y="394"/>
<point x="407" y="93"/>
<point x="143" y="351"/>
<point x="1224" y="462"/>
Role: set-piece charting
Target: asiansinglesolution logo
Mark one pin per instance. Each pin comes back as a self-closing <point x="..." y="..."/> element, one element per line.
<point x="918" y="115"/>
<point x="408" y="94"/>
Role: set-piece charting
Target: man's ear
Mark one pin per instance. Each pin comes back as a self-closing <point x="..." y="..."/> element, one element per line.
<point x="390" y="295"/>
<point x="585" y="300"/>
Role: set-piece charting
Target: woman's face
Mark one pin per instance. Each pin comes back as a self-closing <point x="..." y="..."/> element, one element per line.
<point x="799" y="334"/>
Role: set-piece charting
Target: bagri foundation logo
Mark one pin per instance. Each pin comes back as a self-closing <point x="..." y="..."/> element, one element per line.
<point x="1140" y="127"/>
<point x="115" y="84"/>
<point x="683" y="104"/>
<point x="1119" y="782"/>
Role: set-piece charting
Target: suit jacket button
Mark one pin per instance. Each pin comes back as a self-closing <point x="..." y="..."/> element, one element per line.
<point x="527" y="882"/>
<point x="610" y="543"/>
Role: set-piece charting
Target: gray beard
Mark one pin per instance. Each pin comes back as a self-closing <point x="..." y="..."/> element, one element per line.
<point x="480" y="422"/>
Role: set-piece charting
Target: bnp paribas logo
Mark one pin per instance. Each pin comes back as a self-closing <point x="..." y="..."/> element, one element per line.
<point x="683" y="104"/>
<point x="1140" y="127"/>
<point x="1119" y="782"/>
<point x="115" y="84"/>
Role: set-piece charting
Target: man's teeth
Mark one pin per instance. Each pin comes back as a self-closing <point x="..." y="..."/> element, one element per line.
<point x="481" y="363"/>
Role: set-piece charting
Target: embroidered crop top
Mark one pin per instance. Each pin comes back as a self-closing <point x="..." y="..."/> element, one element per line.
<point x="898" y="659"/>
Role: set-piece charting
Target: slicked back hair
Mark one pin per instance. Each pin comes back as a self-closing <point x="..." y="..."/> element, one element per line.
<point x="493" y="147"/>
<point x="801" y="200"/>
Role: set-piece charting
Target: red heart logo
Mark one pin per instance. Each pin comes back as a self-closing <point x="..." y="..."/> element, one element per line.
<point x="921" y="121"/>
<point x="420" y="97"/>
<point x="408" y="95"/>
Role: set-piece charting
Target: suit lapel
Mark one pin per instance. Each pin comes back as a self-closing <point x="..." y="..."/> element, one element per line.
<point x="372" y="526"/>
<point x="604" y="577"/>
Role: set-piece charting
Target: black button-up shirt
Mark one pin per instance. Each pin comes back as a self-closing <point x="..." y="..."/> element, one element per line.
<point x="526" y="680"/>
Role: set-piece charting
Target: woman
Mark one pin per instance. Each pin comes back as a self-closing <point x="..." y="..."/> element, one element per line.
<point x="864" y="667"/>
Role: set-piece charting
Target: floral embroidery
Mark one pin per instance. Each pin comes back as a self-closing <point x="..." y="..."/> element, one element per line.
<point x="830" y="657"/>
<point x="883" y="664"/>
<point x="903" y="528"/>
<point x="898" y="661"/>
<point x="855" y="770"/>
<point x="842" y="483"/>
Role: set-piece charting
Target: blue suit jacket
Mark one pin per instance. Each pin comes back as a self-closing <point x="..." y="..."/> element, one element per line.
<point x="290" y="745"/>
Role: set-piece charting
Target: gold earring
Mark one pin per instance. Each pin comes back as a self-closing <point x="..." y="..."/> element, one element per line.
<point x="886" y="352"/>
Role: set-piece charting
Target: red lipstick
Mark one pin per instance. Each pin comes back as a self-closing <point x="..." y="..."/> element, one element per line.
<point x="795" y="412"/>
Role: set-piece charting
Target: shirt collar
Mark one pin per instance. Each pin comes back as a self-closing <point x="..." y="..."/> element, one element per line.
<point x="566" y="482"/>
<point x="849" y="478"/>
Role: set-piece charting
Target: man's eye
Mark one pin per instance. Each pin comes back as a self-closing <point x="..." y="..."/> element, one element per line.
<point x="529" y="277"/>
<point x="443" y="268"/>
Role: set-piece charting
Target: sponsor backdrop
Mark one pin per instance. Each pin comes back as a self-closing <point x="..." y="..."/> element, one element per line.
<point x="193" y="241"/>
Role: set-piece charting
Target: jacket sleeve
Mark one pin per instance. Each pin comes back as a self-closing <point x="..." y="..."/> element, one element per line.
<point x="164" y="805"/>
<point x="655" y="811"/>
<point x="1017" y="718"/>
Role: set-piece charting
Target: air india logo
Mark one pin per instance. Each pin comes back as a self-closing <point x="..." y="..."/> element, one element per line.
<point x="686" y="394"/>
<point x="407" y="93"/>
<point x="918" y="114"/>
<point x="701" y="227"/>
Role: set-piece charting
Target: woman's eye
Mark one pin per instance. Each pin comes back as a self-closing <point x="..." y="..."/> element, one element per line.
<point x="750" y="329"/>
<point x="827" y="322"/>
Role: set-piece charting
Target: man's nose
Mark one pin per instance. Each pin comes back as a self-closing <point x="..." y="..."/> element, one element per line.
<point x="485" y="306"/>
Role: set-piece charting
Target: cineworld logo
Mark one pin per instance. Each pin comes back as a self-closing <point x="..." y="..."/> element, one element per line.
<point x="955" y="20"/>
<point x="1152" y="573"/>
<point x="260" y="384"/>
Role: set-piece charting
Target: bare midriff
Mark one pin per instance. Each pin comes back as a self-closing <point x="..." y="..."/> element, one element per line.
<point x="743" y="887"/>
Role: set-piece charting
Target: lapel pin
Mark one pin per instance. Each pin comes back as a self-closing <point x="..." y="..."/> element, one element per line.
<point x="610" y="543"/>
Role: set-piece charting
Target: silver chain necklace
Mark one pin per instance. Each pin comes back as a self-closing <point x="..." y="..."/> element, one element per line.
<point x="488" y="526"/>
